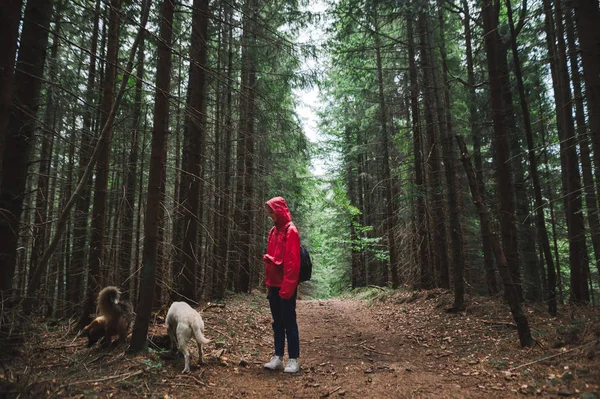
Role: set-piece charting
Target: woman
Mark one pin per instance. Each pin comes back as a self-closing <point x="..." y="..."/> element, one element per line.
<point x="282" y="262"/>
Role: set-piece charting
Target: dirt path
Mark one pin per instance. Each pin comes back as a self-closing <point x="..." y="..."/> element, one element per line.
<point x="346" y="351"/>
<point x="391" y="345"/>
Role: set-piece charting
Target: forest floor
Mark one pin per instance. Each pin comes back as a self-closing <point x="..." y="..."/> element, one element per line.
<point x="374" y="344"/>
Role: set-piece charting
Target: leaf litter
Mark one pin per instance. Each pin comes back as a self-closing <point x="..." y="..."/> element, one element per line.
<point x="396" y="344"/>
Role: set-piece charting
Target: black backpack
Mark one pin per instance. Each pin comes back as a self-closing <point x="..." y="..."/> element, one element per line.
<point x="305" y="265"/>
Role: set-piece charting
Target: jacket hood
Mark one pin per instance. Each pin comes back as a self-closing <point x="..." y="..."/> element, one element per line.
<point x="281" y="209"/>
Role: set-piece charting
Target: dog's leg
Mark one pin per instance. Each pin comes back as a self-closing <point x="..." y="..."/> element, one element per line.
<point x="106" y="340"/>
<point x="198" y="328"/>
<point x="173" y="338"/>
<point x="200" y="358"/>
<point x="121" y="330"/>
<point x="123" y="336"/>
<point x="183" y="334"/>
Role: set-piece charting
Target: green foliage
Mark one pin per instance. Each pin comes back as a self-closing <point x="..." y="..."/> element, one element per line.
<point x="153" y="364"/>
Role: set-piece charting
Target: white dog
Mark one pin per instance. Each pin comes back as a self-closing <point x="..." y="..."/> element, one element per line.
<point x="183" y="323"/>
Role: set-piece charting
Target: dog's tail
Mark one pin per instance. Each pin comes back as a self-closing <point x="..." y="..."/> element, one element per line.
<point x="200" y="338"/>
<point x="108" y="302"/>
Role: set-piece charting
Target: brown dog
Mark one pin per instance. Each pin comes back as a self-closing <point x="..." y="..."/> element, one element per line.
<point x="114" y="318"/>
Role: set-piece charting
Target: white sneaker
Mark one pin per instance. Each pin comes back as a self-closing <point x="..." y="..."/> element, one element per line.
<point x="292" y="366"/>
<point x="275" y="364"/>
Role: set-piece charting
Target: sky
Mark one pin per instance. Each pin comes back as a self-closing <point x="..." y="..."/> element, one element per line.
<point x="308" y="99"/>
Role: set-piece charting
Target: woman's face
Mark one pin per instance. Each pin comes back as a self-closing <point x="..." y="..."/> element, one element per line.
<point x="271" y="213"/>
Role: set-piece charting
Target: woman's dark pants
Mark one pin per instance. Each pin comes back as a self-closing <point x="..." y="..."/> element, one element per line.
<point x="284" y="323"/>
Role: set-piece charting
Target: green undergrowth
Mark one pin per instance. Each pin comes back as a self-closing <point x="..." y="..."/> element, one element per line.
<point x="374" y="293"/>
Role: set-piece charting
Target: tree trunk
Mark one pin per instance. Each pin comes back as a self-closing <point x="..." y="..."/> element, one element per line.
<point x="456" y="231"/>
<point x="390" y="216"/>
<point x="582" y="139"/>
<point x="227" y="192"/>
<point x="124" y="264"/>
<point x="53" y="271"/>
<point x="82" y="208"/>
<point x="19" y="136"/>
<point x="192" y="154"/>
<point x="587" y="19"/>
<point x="424" y="263"/>
<point x="140" y="210"/>
<point x="550" y="196"/>
<point x="67" y="194"/>
<point x="100" y="146"/>
<point x="156" y="178"/>
<point x="176" y="233"/>
<point x="363" y="270"/>
<point x="486" y="240"/>
<point x="570" y="172"/>
<point x="504" y="185"/>
<point x="40" y="224"/>
<point x="509" y="285"/>
<point x="533" y="170"/>
<point x="10" y="18"/>
<point x="98" y="224"/>
<point x="248" y="195"/>
<point x="434" y="164"/>
<point x="245" y="147"/>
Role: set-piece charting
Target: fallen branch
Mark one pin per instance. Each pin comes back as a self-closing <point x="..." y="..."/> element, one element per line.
<point x="59" y="347"/>
<point x="187" y="376"/>
<point x="98" y="358"/>
<point x="197" y="380"/>
<point x="52" y="365"/>
<point x="331" y="392"/>
<point x="183" y="385"/>
<point x="499" y="323"/>
<point x="220" y="332"/>
<point x="550" y="357"/>
<point x="375" y="351"/>
<point x="112" y="377"/>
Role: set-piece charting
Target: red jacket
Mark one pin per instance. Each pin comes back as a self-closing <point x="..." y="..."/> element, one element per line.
<point x="282" y="260"/>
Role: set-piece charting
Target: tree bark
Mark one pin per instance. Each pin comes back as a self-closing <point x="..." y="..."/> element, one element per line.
<point x="486" y="240"/>
<point x="440" y="248"/>
<point x="456" y="231"/>
<point x="62" y="220"/>
<point x="82" y="208"/>
<point x="570" y="165"/>
<point x="248" y="195"/>
<point x="189" y="191"/>
<point x="533" y="170"/>
<point x="550" y="196"/>
<point x="510" y="287"/>
<point x="19" y="136"/>
<point x="98" y="225"/>
<point x="10" y="17"/>
<point x="227" y="192"/>
<point x="40" y="224"/>
<point x="245" y="149"/>
<point x="124" y="263"/>
<point x="504" y="182"/>
<point x="591" y="199"/>
<point x="390" y="216"/>
<point x="156" y="178"/>
<point x="587" y="19"/>
<point x="424" y="262"/>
